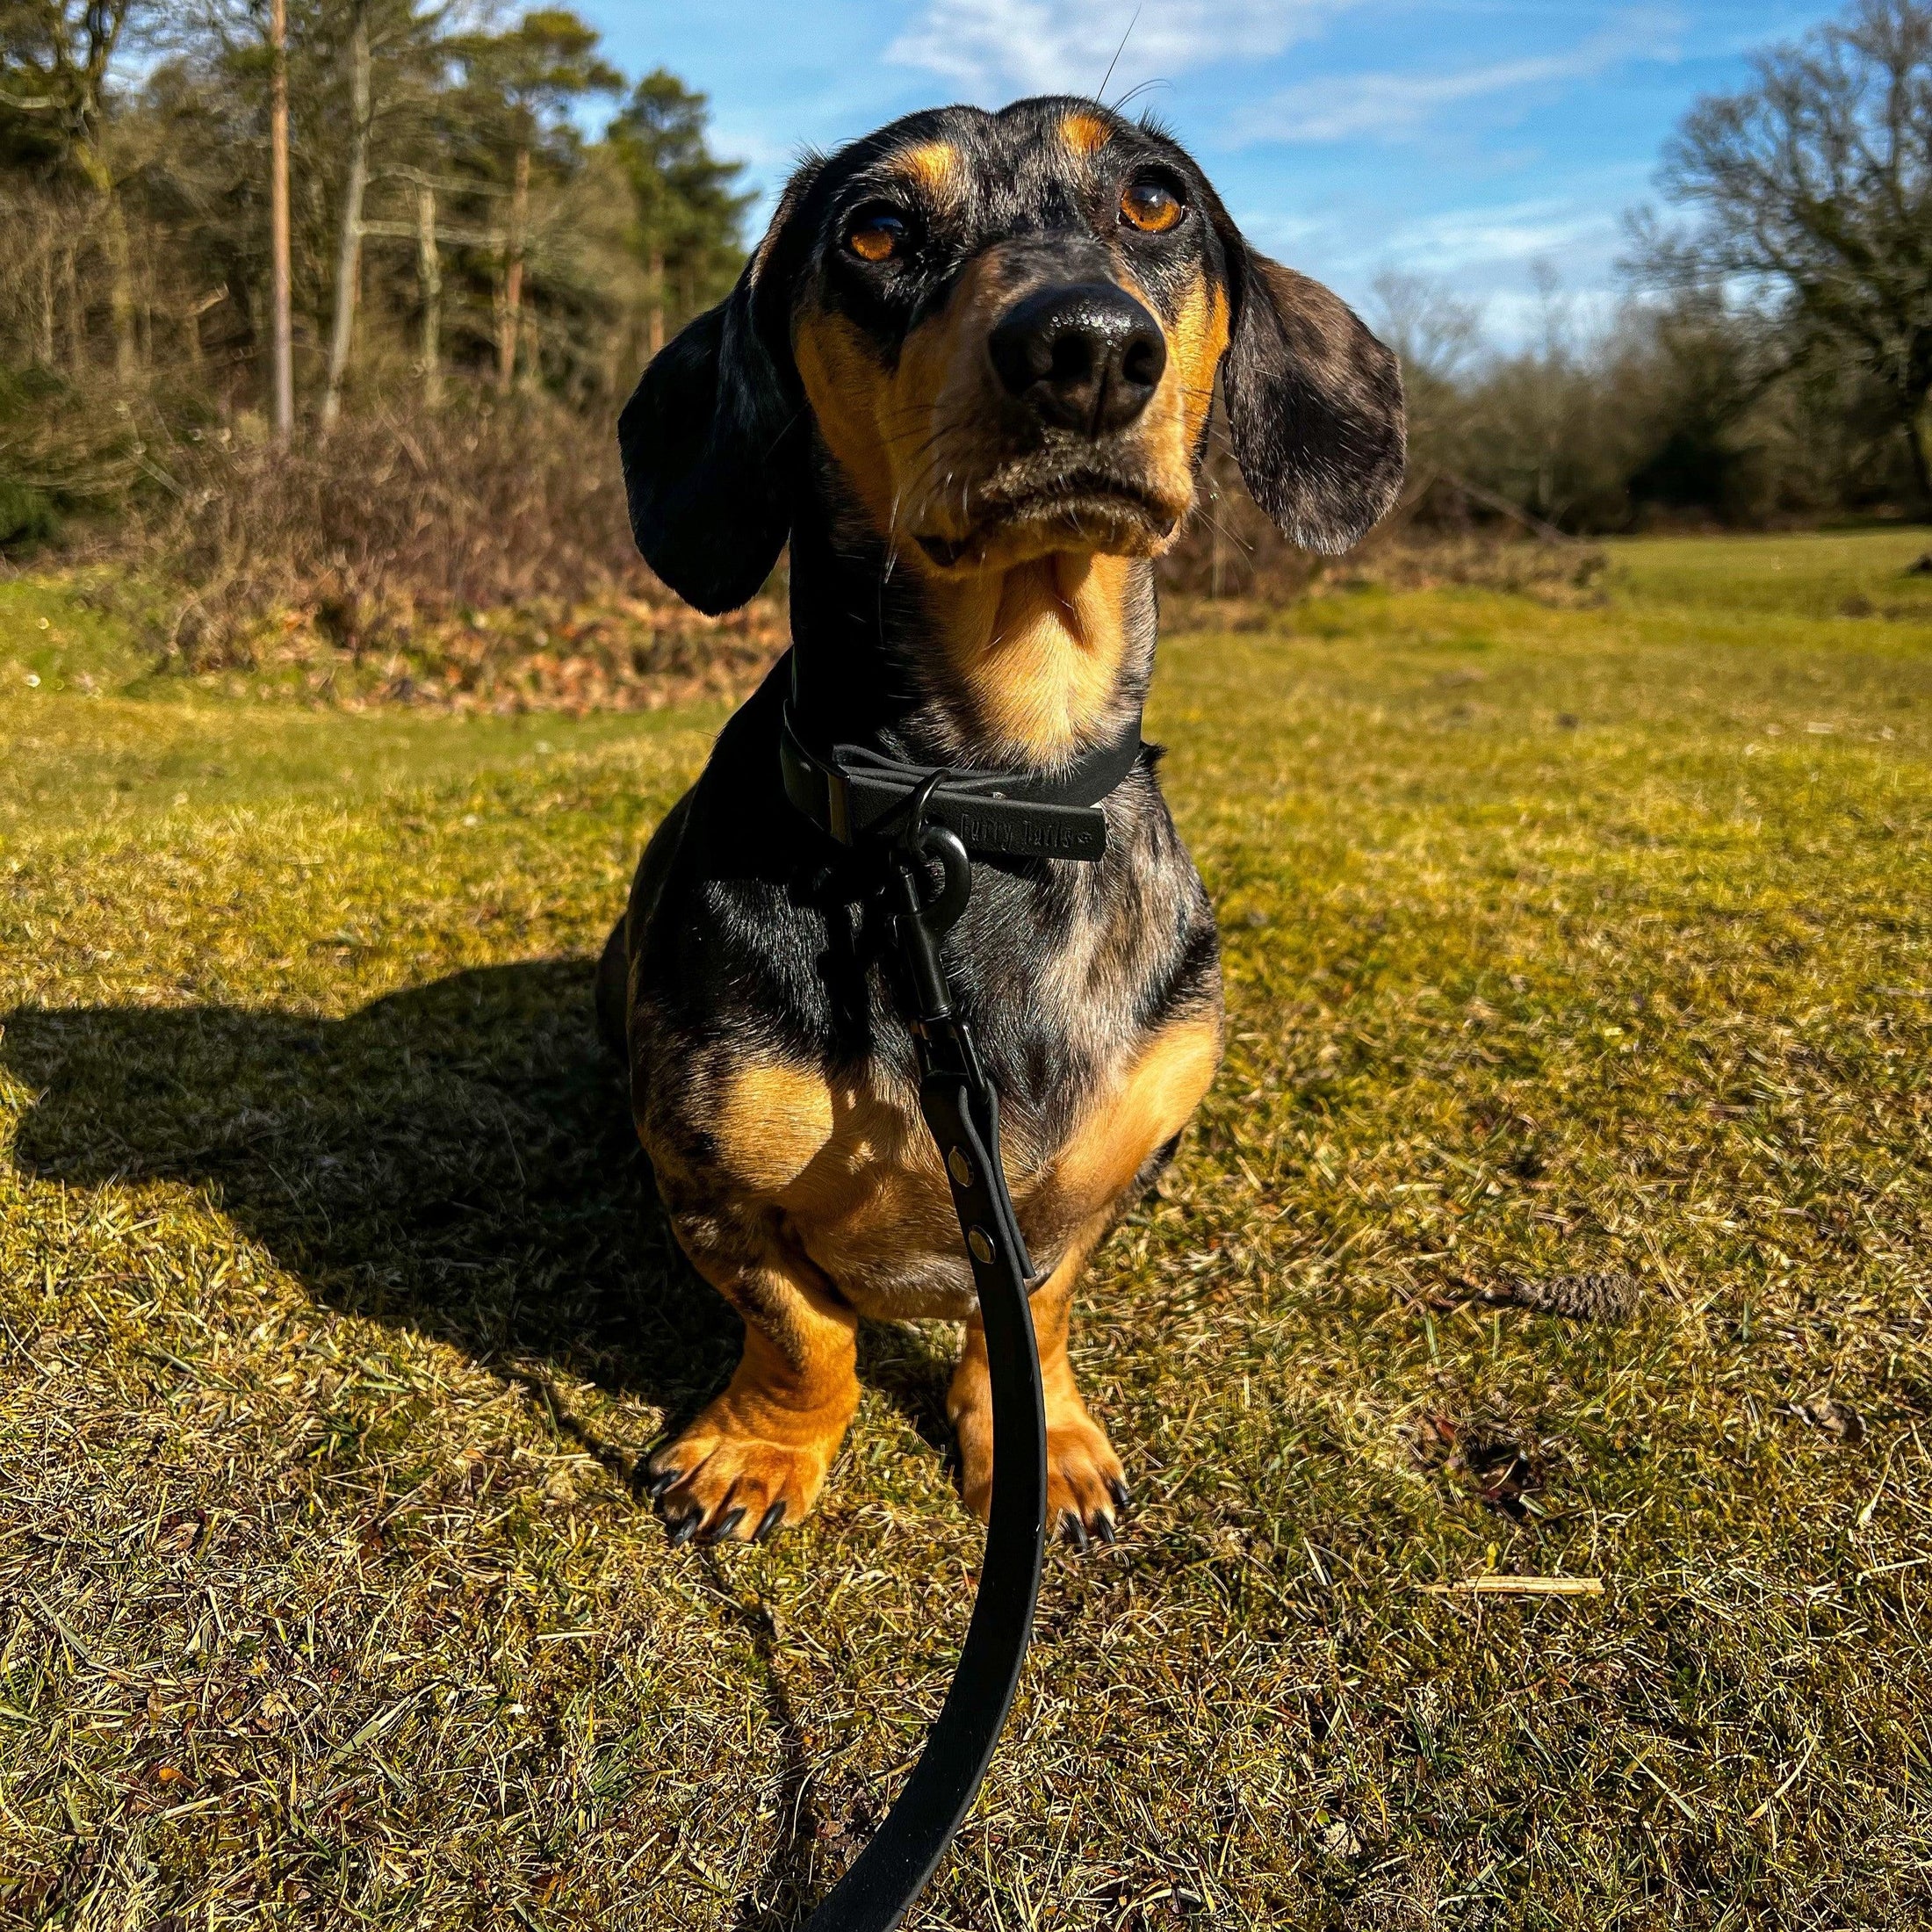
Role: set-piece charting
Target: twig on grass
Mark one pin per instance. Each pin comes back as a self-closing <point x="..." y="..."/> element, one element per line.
<point x="1518" y="1586"/>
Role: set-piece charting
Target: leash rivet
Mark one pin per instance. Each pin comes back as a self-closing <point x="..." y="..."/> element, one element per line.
<point x="983" y="1248"/>
<point x="962" y="1168"/>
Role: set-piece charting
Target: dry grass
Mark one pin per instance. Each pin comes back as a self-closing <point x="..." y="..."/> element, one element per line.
<point x="1580" y="960"/>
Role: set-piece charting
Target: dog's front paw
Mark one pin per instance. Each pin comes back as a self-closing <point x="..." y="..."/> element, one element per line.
<point x="1085" y="1484"/>
<point x="1086" y="1487"/>
<point x="718" y="1483"/>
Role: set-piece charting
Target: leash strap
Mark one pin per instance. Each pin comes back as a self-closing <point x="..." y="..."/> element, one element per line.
<point x="961" y="1109"/>
<point x="859" y="793"/>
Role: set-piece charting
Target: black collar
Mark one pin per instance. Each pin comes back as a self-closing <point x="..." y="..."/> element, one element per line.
<point x="858" y="795"/>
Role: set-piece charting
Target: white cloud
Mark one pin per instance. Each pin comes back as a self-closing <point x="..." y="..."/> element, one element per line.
<point x="995" y="49"/>
<point x="1524" y="232"/>
<point x="1389" y="106"/>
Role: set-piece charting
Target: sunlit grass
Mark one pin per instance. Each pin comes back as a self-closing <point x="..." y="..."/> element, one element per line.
<point x="1560" y="943"/>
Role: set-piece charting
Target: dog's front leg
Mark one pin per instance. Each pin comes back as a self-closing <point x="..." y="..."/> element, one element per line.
<point x="1085" y="1484"/>
<point x="1127" y="1138"/>
<point x="757" y="1456"/>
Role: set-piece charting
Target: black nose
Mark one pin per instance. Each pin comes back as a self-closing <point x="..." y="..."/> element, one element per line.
<point x="1083" y="358"/>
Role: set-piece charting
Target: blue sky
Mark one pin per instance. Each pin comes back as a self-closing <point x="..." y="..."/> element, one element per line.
<point x="1468" y="142"/>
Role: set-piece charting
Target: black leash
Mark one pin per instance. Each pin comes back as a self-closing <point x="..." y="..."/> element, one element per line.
<point x="933" y="816"/>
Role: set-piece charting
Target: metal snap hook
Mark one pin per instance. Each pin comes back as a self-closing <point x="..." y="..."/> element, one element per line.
<point x="942" y="913"/>
<point x="918" y="843"/>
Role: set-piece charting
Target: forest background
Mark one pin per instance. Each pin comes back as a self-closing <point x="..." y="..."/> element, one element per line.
<point x="475" y="280"/>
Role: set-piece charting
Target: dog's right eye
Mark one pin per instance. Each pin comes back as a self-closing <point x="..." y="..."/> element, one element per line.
<point x="877" y="235"/>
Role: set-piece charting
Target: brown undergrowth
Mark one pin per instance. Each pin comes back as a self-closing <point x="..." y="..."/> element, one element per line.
<point x="617" y="653"/>
<point x="479" y="558"/>
<point x="1559" y="575"/>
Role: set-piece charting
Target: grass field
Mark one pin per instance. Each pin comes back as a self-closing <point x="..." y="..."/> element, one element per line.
<point x="335" y="1322"/>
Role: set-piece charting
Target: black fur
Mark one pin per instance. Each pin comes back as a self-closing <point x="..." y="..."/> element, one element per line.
<point x="1314" y="406"/>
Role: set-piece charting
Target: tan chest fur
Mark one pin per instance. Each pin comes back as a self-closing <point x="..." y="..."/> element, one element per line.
<point x="848" y="1162"/>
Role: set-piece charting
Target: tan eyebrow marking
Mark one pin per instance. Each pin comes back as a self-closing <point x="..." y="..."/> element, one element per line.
<point x="1085" y="133"/>
<point x="932" y="165"/>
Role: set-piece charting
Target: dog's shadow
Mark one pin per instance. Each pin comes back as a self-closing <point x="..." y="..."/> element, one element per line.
<point x="457" y="1158"/>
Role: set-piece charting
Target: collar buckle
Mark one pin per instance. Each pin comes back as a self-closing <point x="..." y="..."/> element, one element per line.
<point x="858" y="795"/>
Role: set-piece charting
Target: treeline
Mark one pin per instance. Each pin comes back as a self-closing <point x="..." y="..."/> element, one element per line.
<point x="1769" y="361"/>
<point x="1678" y="408"/>
<point x="1674" y="411"/>
<point x="456" y="244"/>
<point x="1776" y="358"/>
<point x="474" y="282"/>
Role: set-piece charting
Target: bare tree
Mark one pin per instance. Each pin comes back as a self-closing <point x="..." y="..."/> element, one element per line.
<point x="283" y="383"/>
<point x="56" y="56"/>
<point x="1436" y="333"/>
<point x="1438" y="337"/>
<point x="1814" y="186"/>
<point x="349" y="246"/>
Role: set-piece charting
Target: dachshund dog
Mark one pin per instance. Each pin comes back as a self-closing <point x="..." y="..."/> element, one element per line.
<point x="967" y="375"/>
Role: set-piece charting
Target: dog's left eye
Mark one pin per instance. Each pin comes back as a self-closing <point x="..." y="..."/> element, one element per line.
<point x="1151" y="206"/>
<point x="877" y="235"/>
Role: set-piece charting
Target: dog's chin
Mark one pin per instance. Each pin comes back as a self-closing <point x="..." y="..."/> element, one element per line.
<point x="1081" y="517"/>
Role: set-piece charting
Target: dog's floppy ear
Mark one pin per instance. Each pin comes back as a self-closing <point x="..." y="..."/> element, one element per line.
<point x="1315" y="404"/>
<point x="707" y="437"/>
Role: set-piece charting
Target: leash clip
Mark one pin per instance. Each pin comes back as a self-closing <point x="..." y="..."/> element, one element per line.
<point x="918" y="923"/>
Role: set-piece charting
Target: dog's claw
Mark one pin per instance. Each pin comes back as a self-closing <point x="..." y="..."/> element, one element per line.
<point x="1103" y="1527"/>
<point x="1075" y="1530"/>
<point x="769" y="1521"/>
<point x="665" y="1479"/>
<point x="725" y="1525"/>
<point x="684" y="1529"/>
<point x="1122" y="1495"/>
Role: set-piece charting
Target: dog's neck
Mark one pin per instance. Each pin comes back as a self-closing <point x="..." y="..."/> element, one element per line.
<point x="1022" y="669"/>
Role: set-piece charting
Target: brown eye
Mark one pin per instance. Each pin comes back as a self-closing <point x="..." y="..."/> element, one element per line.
<point x="878" y="236"/>
<point x="1151" y="206"/>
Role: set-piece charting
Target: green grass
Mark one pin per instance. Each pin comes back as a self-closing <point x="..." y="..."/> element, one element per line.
<point x="53" y="634"/>
<point x="1560" y="942"/>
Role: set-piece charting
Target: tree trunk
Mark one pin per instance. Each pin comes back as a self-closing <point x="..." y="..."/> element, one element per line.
<point x="1918" y="437"/>
<point x="513" y="274"/>
<point x="120" y="289"/>
<point x="120" y="266"/>
<point x="654" y="285"/>
<point x="46" y="345"/>
<point x="349" y="249"/>
<point x="282" y="378"/>
<point x="429" y="273"/>
<point x="76" y="314"/>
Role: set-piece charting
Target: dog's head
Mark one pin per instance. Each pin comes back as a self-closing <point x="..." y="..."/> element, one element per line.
<point x="995" y="337"/>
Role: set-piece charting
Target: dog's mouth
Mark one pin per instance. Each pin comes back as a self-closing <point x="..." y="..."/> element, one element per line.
<point x="1091" y="506"/>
